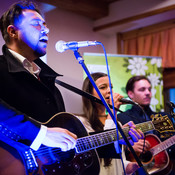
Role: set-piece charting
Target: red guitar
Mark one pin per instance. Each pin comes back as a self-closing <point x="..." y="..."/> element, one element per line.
<point x="156" y="159"/>
<point x="83" y="160"/>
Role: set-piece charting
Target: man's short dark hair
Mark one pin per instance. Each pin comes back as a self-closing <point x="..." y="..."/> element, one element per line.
<point x="132" y="80"/>
<point x="13" y="14"/>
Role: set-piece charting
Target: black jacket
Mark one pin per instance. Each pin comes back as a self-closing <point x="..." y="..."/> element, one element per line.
<point x="20" y="89"/>
<point x="13" y="126"/>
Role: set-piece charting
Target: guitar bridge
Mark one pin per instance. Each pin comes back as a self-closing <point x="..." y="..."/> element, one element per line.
<point x="30" y="160"/>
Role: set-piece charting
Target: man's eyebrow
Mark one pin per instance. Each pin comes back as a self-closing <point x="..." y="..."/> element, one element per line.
<point x="38" y="19"/>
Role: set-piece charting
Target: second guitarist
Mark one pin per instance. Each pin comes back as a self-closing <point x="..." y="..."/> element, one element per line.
<point x="138" y="89"/>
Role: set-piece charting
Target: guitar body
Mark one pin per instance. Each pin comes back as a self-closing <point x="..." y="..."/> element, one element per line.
<point x="158" y="164"/>
<point x="14" y="161"/>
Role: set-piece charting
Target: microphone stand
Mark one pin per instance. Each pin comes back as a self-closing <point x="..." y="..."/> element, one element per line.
<point x="172" y="111"/>
<point x="171" y="105"/>
<point x="81" y="61"/>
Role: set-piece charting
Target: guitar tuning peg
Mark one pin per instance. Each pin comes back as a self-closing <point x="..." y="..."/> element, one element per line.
<point x="156" y="115"/>
<point x="152" y="117"/>
<point x="162" y="136"/>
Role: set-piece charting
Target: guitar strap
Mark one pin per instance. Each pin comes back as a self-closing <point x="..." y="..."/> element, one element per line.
<point x="82" y="93"/>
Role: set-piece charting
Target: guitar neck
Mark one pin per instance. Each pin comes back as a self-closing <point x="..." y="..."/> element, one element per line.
<point x="107" y="137"/>
<point x="163" y="145"/>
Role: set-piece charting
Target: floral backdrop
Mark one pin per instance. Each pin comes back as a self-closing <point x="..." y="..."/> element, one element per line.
<point x="122" y="67"/>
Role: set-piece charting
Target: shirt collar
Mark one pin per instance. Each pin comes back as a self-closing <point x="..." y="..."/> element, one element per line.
<point x="31" y="67"/>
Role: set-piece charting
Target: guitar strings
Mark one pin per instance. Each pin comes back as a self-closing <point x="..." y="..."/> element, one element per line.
<point x="87" y="144"/>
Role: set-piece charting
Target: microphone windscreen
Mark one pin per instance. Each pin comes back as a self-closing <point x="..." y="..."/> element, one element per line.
<point x="125" y="101"/>
<point x="170" y="104"/>
<point x="60" y="46"/>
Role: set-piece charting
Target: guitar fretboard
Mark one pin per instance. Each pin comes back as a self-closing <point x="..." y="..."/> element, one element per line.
<point x="163" y="145"/>
<point x="104" y="138"/>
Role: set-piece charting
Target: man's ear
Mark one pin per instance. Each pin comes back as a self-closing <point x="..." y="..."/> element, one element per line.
<point x="12" y="31"/>
<point x="130" y="94"/>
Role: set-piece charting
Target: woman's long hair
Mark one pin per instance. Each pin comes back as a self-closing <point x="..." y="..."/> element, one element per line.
<point x="90" y="109"/>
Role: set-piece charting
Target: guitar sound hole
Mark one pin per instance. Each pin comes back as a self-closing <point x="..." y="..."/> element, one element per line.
<point x="145" y="157"/>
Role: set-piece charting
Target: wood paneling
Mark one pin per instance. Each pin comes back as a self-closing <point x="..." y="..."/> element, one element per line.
<point x="93" y="9"/>
<point x="169" y="78"/>
<point x="134" y="18"/>
<point x="149" y="29"/>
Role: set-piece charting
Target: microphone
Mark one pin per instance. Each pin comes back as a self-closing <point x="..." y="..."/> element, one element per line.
<point x="62" y="46"/>
<point x="170" y="104"/>
<point x="125" y="101"/>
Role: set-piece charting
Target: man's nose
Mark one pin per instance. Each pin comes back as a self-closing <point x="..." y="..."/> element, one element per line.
<point x="148" y="91"/>
<point x="44" y="30"/>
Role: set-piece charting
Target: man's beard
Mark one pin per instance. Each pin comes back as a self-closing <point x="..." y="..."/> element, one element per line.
<point x="39" y="53"/>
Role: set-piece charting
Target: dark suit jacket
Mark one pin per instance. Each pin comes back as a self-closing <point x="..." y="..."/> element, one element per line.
<point x="38" y="99"/>
<point x="135" y="114"/>
<point x="13" y="126"/>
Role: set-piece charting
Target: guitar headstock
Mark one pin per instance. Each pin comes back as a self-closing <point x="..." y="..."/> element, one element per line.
<point x="163" y="125"/>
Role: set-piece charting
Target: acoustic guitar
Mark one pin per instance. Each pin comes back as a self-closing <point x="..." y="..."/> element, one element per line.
<point x="16" y="158"/>
<point x="156" y="160"/>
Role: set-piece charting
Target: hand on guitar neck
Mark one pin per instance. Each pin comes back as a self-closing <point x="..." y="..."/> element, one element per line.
<point x="135" y="134"/>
